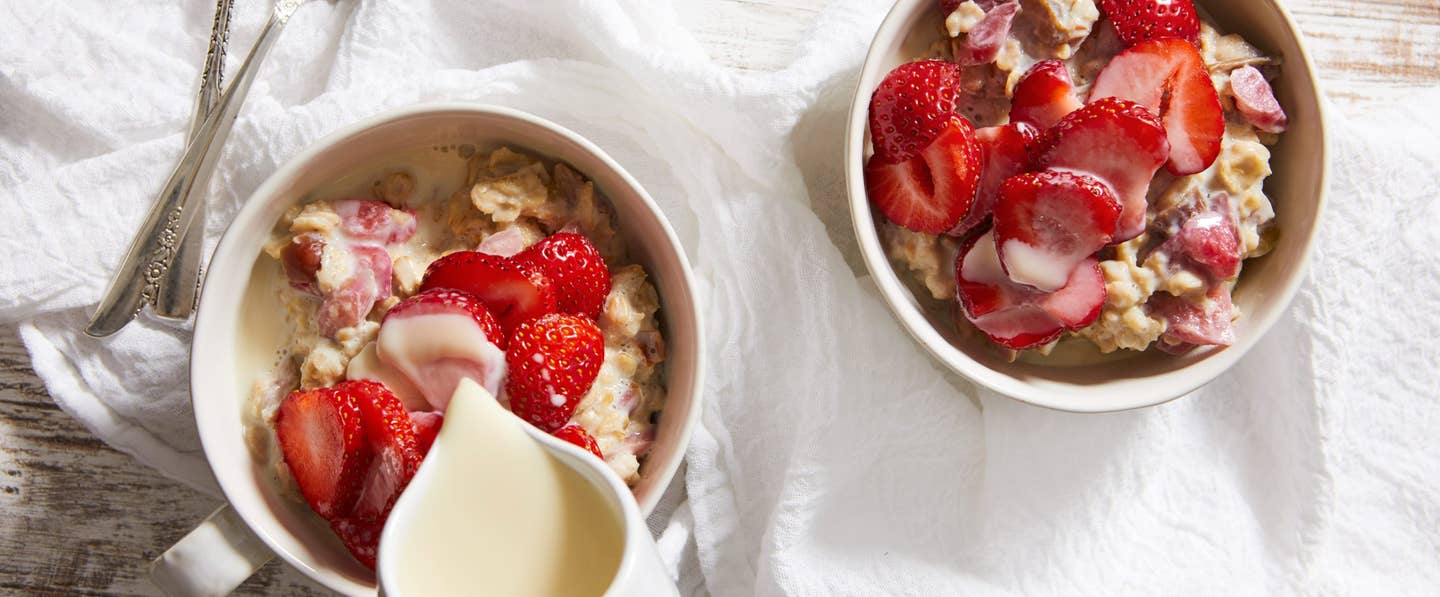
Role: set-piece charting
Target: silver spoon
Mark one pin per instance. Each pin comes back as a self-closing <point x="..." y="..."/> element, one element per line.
<point x="154" y="245"/>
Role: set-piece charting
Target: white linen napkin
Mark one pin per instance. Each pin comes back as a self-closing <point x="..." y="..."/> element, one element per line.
<point x="834" y="457"/>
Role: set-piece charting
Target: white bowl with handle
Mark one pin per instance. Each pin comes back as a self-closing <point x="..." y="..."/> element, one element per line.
<point x="223" y="552"/>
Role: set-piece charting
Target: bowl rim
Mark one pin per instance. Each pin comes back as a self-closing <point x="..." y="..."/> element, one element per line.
<point x="207" y="323"/>
<point x="901" y="300"/>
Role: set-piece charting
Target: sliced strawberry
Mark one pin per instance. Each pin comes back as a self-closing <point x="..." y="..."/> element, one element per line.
<point x="438" y="337"/>
<point x="1256" y="100"/>
<point x="368" y="282"/>
<point x="1047" y="222"/>
<point x="391" y="436"/>
<point x="1016" y="316"/>
<point x="505" y="243"/>
<point x="911" y="107"/>
<point x="1139" y="20"/>
<point x="322" y="439"/>
<point x="573" y="264"/>
<point x="301" y="260"/>
<point x="360" y="536"/>
<point x="983" y="43"/>
<point x="553" y="361"/>
<point x="1116" y="141"/>
<point x="1169" y="77"/>
<point x="1044" y="95"/>
<point x="577" y="435"/>
<point x="1207" y="240"/>
<point x="932" y="192"/>
<point x="1006" y="151"/>
<point x="370" y="220"/>
<point x="1189" y="324"/>
<point x="513" y="292"/>
<point x="427" y="426"/>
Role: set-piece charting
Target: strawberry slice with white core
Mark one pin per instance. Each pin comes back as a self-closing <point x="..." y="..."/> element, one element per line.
<point x="1207" y="322"/>
<point x="364" y="271"/>
<point x="932" y="192"/>
<point x="911" y="107"/>
<point x="391" y="436"/>
<point x="439" y="337"/>
<point x="514" y="292"/>
<point x="983" y="43"/>
<point x="1005" y="151"/>
<point x="1016" y="316"/>
<point x="370" y="220"/>
<point x="1044" y="95"/>
<point x="1116" y="141"/>
<point x="1047" y="222"/>
<point x="1169" y="77"/>
<point x="1256" y="100"/>
<point x="367" y="365"/>
<point x="322" y="439"/>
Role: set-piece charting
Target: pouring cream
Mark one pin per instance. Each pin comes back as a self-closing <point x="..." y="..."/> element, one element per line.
<point x="492" y="511"/>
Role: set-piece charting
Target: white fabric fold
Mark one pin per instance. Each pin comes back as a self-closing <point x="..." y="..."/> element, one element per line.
<point x="833" y="456"/>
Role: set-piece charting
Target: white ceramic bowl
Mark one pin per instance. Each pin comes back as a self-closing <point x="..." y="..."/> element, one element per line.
<point x="1131" y="380"/>
<point x="220" y="376"/>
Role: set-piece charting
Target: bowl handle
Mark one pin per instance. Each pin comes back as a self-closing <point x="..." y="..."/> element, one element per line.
<point x="212" y="559"/>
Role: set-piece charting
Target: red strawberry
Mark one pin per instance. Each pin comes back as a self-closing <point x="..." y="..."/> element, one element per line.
<point x="322" y="439"/>
<point x="1169" y="77"/>
<point x="391" y="437"/>
<point x="933" y="191"/>
<point x="574" y="266"/>
<point x="514" y="293"/>
<point x="1044" y="95"/>
<point x="1047" y="222"/>
<point x="577" y="435"/>
<point x="1208" y="322"/>
<point x="1016" y="316"/>
<point x="361" y="537"/>
<point x="1139" y="20"/>
<point x="553" y="361"/>
<point x="1005" y="151"/>
<point x="911" y="107"/>
<point x="427" y="426"/>
<point x="420" y="339"/>
<point x="1116" y="141"/>
<point x="1256" y="100"/>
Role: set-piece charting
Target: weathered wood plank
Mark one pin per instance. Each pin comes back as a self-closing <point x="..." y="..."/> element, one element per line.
<point x="81" y="518"/>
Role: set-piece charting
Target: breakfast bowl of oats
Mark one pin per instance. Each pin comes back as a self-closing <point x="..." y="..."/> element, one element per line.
<point x="402" y="254"/>
<point x="1086" y="205"/>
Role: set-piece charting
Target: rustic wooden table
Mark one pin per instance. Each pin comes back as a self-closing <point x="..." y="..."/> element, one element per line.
<point x="79" y="517"/>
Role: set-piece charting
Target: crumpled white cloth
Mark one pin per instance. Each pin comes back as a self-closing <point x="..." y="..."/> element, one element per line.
<point x="834" y="457"/>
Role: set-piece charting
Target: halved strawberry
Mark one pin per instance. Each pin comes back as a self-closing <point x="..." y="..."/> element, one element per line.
<point x="577" y="435"/>
<point x="1256" y="100"/>
<point x="1005" y="151"/>
<point x="574" y="266"/>
<point x="360" y="536"/>
<point x="553" y="361"/>
<point x="932" y="192"/>
<point x="1016" y="316"/>
<point x="1044" y="95"/>
<point x="438" y="337"/>
<point x="391" y="437"/>
<point x="322" y="439"/>
<point x="1116" y="141"/>
<point x="427" y="426"/>
<point x="982" y="44"/>
<point x="1047" y="222"/>
<point x="513" y="292"/>
<point x="1169" y="77"/>
<point x="1139" y="20"/>
<point x="911" y="107"/>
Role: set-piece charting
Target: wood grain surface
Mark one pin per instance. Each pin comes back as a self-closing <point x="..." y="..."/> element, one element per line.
<point x="81" y="518"/>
